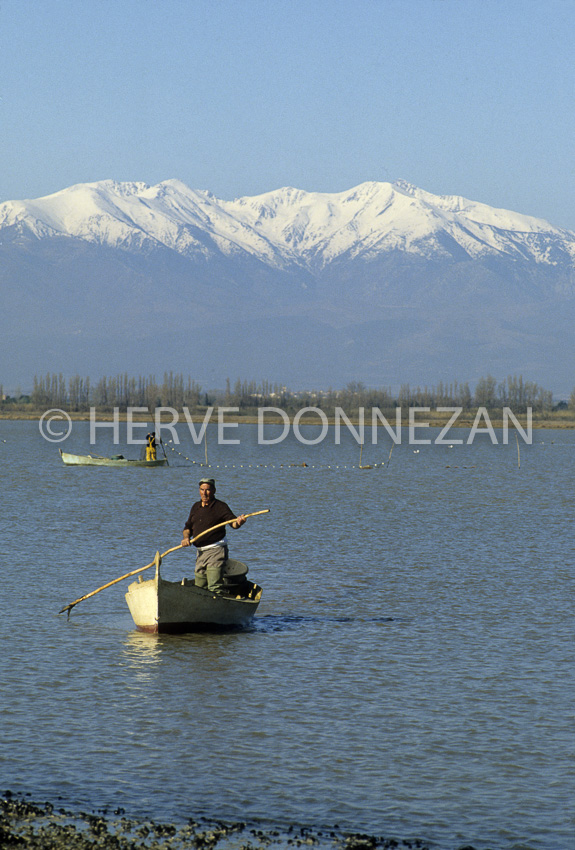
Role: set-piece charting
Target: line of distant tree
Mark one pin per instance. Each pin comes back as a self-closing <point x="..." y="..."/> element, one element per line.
<point x="122" y="391"/>
<point x="512" y="392"/>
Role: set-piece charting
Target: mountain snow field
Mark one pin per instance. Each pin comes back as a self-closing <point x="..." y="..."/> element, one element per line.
<point x="383" y="283"/>
<point x="287" y="225"/>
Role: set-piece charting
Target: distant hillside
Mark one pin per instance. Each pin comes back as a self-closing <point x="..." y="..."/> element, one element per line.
<point x="384" y="283"/>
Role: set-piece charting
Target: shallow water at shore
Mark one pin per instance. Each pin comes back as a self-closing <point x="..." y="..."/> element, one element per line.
<point x="410" y="672"/>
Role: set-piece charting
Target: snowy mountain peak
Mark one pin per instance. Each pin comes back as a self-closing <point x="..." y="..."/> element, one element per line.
<point x="288" y="225"/>
<point x="405" y="187"/>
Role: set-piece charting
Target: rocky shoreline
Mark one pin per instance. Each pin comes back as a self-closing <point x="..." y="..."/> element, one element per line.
<point x="45" y="826"/>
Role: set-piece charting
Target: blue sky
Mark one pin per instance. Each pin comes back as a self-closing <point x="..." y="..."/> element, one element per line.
<point x="468" y="97"/>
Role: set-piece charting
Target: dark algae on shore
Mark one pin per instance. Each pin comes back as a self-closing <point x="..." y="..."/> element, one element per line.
<point x="44" y="826"/>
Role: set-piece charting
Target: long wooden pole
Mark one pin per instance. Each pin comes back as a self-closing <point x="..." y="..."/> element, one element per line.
<point x="69" y="607"/>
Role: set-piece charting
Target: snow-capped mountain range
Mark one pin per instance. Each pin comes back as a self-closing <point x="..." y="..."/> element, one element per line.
<point x="384" y="283"/>
<point x="288" y="226"/>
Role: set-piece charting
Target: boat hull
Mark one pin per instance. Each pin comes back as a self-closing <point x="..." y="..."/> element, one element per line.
<point x="160" y="606"/>
<point x="91" y="460"/>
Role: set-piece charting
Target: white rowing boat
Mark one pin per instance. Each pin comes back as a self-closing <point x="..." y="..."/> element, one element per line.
<point x="161" y="606"/>
<point x="118" y="460"/>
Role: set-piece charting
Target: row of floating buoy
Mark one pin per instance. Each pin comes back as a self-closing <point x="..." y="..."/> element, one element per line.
<point x="272" y="465"/>
<point x="300" y="465"/>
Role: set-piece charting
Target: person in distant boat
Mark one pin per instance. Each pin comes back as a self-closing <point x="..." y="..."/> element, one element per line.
<point x="212" y="549"/>
<point x="151" y="446"/>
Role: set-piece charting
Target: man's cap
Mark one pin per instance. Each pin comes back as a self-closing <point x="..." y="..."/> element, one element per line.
<point x="207" y="481"/>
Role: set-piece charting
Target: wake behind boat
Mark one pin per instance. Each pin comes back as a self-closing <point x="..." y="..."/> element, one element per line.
<point x="115" y="460"/>
<point x="161" y="606"/>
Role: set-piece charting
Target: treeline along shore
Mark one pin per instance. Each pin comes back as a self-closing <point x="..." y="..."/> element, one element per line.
<point x="109" y="396"/>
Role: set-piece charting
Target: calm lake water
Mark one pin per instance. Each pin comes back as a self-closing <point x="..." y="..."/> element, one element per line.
<point x="410" y="673"/>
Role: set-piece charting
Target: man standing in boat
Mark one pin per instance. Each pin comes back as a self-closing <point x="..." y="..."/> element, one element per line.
<point x="212" y="548"/>
<point x="151" y="446"/>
